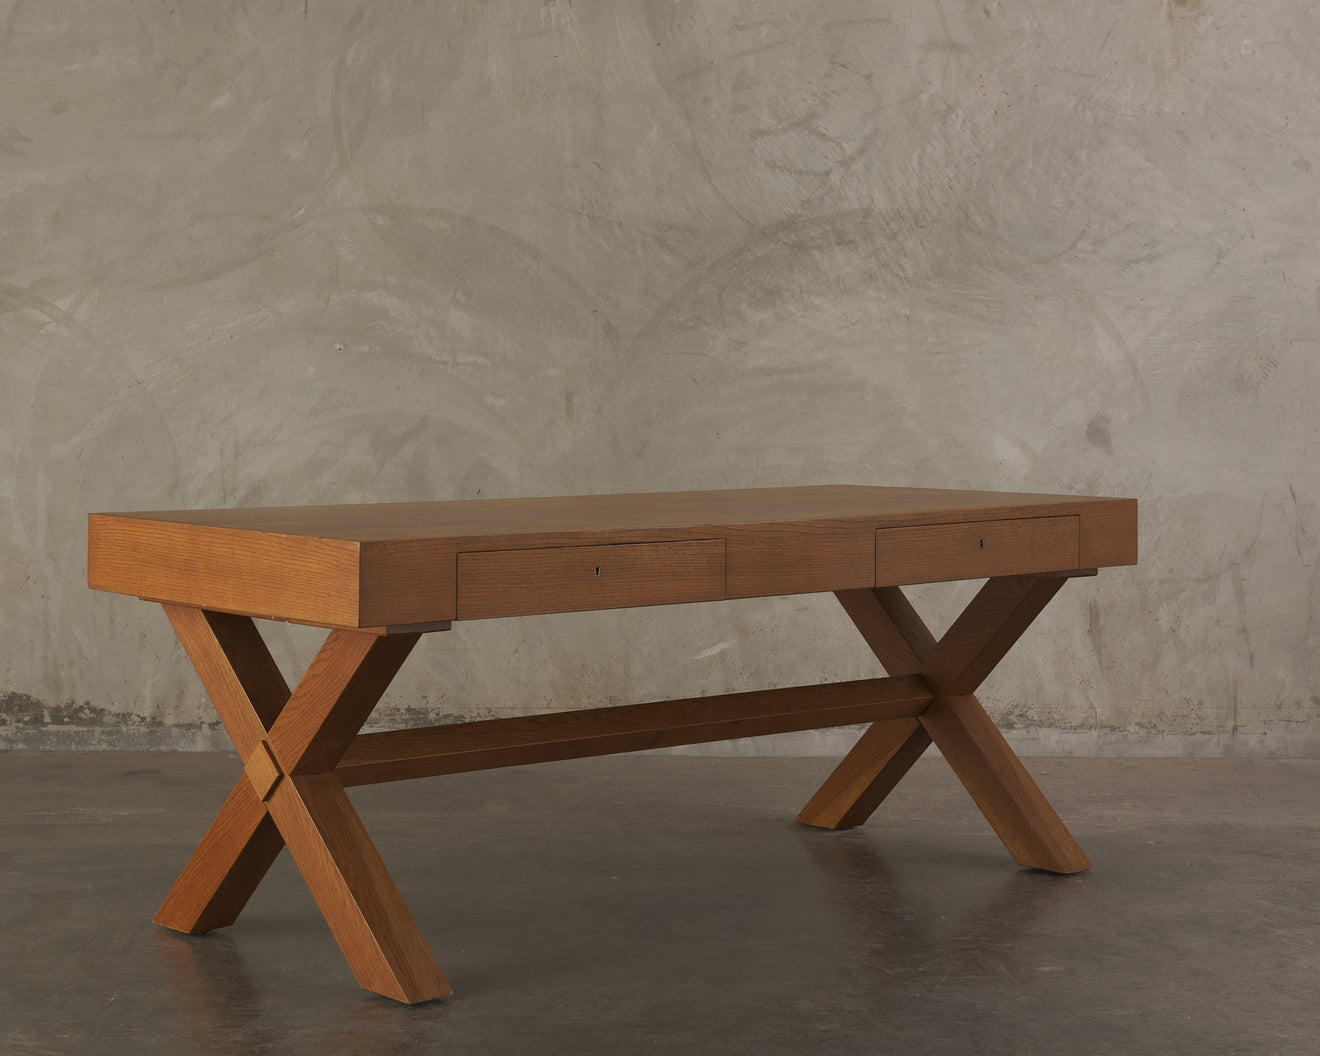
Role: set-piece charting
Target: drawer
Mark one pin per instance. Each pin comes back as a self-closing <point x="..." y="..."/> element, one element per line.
<point x="573" y="578"/>
<point x="932" y="553"/>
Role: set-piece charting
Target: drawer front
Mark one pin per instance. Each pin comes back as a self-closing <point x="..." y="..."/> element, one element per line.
<point x="573" y="578"/>
<point x="932" y="553"/>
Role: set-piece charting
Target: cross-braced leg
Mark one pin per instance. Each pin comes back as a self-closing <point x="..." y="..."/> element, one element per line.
<point x="290" y="744"/>
<point x="988" y="768"/>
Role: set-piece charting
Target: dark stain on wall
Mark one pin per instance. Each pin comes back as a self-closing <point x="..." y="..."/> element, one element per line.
<point x="21" y="710"/>
<point x="1098" y="434"/>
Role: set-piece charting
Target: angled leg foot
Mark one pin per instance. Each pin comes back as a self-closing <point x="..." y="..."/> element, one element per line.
<point x="224" y="871"/>
<point x="867" y="774"/>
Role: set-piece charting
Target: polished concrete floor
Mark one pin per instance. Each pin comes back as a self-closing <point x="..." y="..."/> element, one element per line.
<point x="662" y="904"/>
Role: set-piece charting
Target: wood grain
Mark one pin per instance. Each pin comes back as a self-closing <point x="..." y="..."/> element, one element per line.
<point x="975" y="550"/>
<point x="885" y="753"/>
<point x="562" y="520"/>
<point x="1109" y="534"/>
<point x="249" y="692"/>
<point x="890" y="626"/>
<point x="234" y="855"/>
<point x="986" y="630"/>
<point x="406" y="581"/>
<point x="798" y="558"/>
<point x="575" y="578"/>
<point x="236" y="669"/>
<point x="993" y="775"/>
<point x="355" y="893"/>
<point x="955" y="665"/>
<point x="227" y="570"/>
<point x="878" y="761"/>
<point x="289" y="794"/>
<point x="396" y="564"/>
<point x="343" y="684"/>
<point x="460" y="747"/>
<point x="380" y="576"/>
<point x="262" y="770"/>
<point x="996" y="779"/>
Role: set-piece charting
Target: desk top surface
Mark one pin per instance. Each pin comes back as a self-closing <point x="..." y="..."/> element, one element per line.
<point x="393" y="563"/>
<point x="588" y="515"/>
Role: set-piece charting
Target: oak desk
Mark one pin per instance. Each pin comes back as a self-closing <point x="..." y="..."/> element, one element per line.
<point x="378" y="577"/>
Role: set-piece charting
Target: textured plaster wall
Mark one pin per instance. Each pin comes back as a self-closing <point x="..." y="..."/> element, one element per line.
<point x="332" y="251"/>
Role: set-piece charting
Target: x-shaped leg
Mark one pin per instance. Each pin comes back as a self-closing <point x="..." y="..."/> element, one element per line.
<point x="291" y="744"/>
<point x="955" y="720"/>
<point x="289" y="794"/>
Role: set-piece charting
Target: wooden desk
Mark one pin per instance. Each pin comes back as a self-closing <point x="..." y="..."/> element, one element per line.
<point x="378" y="577"/>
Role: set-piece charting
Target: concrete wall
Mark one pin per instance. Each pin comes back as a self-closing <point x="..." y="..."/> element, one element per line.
<point x="333" y="251"/>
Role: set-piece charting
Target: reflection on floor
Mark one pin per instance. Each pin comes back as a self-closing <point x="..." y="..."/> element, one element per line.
<point x="658" y="904"/>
